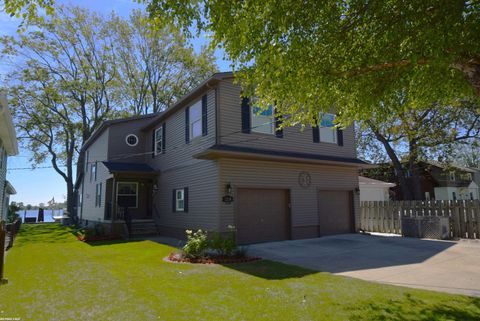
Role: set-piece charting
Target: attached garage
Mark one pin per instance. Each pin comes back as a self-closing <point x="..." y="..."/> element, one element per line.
<point x="335" y="212"/>
<point x="262" y="215"/>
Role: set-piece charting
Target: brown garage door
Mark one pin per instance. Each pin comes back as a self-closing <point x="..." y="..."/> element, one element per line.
<point x="335" y="212"/>
<point x="262" y="215"/>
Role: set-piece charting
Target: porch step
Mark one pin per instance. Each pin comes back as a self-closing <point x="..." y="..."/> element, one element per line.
<point x="144" y="228"/>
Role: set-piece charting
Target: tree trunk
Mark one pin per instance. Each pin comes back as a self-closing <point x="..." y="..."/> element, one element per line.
<point x="415" y="171"/>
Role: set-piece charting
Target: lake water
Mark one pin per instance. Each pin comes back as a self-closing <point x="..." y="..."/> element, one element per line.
<point x="47" y="214"/>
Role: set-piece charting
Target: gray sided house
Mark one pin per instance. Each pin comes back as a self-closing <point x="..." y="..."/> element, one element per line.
<point x="8" y="147"/>
<point x="213" y="161"/>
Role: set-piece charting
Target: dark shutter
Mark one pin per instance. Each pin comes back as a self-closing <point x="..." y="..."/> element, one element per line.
<point x="204" y="116"/>
<point x="163" y="138"/>
<point x="185" y="199"/>
<point x="339" y="137"/>
<point x="153" y="144"/>
<point x="174" y="200"/>
<point x="316" y="134"/>
<point x="187" y="125"/>
<point x="246" y="115"/>
<point x="278" y="123"/>
<point x="100" y="195"/>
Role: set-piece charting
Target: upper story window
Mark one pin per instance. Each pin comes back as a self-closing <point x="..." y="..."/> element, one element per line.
<point x="466" y="176"/>
<point x="93" y="172"/>
<point x="452" y="176"/>
<point x="263" y="120"/>
<point x="195" y="119"/>
<point x="158" y="140"/>
<point x="131" y="140"/>
<point x="328" y="133"/>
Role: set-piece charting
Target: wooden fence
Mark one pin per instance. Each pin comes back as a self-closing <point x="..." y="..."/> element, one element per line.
<point x="385" y="217"/>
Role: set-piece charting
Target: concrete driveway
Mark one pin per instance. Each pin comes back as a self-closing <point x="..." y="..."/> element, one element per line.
<point x="428" y="264"/>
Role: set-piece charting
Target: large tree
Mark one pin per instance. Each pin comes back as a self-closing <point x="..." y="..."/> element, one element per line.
<point x="351" y="54"/>
<point x="405" y="136"/>
<point x="69" y="78"/>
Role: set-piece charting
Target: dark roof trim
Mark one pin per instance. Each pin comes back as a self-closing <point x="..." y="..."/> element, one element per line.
<point x="115" y="167"/>
<point x="213" y="80"/>
<point x="108" y="123"/>
<point x="228" y="149"/>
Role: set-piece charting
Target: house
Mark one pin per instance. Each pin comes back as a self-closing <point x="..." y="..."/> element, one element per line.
<point x="374" y="190"/>
<point x="438" y="181"/>
<point x="212" y="161"/>
<point x="8" y="147"/>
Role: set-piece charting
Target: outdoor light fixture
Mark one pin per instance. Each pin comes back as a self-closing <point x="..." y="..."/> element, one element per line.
<point x="228" y="198"/>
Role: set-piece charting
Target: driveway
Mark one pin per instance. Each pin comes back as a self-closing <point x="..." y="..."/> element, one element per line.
<point x="445" y="266"/>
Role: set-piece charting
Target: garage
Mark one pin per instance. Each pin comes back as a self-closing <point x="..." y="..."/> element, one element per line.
<point x="335" y="212"/>
<point x="262" y="215"/>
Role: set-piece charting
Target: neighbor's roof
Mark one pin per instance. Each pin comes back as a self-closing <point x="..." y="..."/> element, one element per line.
<point x="7" y="130"/>
<point x="214" y="79"/>
<point x="108" y="123"/>
<point x="365" y="181"/>
<point x="115" y="167"/>
<point x="445" y="166"/>
<point x="9" y="188"/>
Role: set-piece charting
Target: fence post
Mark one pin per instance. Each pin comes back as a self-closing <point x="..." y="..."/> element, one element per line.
<point x="2" y="251"/>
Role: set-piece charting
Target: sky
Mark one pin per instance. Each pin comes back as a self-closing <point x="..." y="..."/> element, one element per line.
<point x="42" y="184"/>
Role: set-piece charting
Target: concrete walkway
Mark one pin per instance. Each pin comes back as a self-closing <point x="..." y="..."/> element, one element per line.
<point x="445" y="266"/>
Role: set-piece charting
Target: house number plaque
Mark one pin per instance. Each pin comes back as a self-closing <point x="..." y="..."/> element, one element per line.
<point x="304" y="179"/>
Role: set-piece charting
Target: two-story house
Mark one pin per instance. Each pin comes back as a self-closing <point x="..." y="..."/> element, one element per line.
<point x="8" y="147"/>
<point x="213" y="161"/>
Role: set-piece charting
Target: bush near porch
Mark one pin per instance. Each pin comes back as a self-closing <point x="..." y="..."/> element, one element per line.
<point x="52" y="276"/>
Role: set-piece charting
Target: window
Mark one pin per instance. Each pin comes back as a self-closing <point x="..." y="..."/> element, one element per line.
<point x="159" y="140"/>
<point x="195" y="120"/>
<point x="131" y="140"/>
<point x="98" y="195"/>
<point x="452" y="176"/>
<point x="93" y="172"/>
<point x="263" y="120"/>
<point x="471" y="196"/>
<point x="427" y="196"/>
<point x="454" y="196"/>
<point x="328" y="133"/>
<point x="127" y="194"/>
<point x="180" y="200"/>
<point x="466" y="176"/>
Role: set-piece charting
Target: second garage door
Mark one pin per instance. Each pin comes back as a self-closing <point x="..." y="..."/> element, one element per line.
<point x="335" y="213"/>
<point x="262" y="215"/>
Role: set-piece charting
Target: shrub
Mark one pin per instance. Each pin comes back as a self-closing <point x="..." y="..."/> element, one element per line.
<point x="197" y="244"/>
<point x="223" y="245"/>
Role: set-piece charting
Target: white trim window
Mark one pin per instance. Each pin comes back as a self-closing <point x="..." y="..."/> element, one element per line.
<point x="98" y="195"/>
<point x="93" y="172"/>
<point x="195" y="119"/>
<point x="180" y="200"/>
<point x="127" y="194"/>
<point x="328" y="132"/>
<point x="158" y="140"/>
<point x="263" y="120"/>
<point x="452" y="176"/>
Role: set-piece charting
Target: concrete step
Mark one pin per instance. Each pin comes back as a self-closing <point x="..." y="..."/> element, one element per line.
<point x="144" y="228"/>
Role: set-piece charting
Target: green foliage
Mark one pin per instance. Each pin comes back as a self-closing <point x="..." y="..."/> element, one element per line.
<point x="197" y="244"/>
<point x="352" y="56"/>
<point x="223" y="244"/>
<point x="12" y="215"/>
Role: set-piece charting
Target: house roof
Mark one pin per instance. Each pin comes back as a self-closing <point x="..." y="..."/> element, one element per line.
<point x="208" y="83"/>
<point x="365" y="181"/>
<point x="238" y="152"/>
<point x="108" y="123"/>
<point x="9" y="189"/>
<point x="7" y="130"/>
<point x="115" y="167"/>
<point x="445" y="166"/>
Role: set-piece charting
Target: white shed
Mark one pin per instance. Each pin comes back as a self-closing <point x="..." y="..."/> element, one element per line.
<point x="374" y="190"/>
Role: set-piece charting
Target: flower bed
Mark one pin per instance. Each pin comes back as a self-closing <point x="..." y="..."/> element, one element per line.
<point x="179" y="258"/>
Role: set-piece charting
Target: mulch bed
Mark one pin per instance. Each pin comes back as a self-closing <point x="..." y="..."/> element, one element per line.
<point x="98" y="238"/>
<point x="178" y="258"/>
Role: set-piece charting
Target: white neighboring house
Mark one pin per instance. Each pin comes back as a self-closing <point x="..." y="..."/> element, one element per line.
<point x="8" y="147"/>
<point x="469" y="192"/>
<point x="374" y="190"/>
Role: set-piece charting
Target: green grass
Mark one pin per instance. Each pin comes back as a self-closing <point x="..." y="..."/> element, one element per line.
<point x="52" y="276"/>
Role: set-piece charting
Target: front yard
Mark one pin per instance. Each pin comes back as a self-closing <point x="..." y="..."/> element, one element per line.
<point x="52" y="276"/>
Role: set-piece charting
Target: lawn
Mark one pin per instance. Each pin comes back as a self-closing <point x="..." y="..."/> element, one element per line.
<point x="52" y="276"/>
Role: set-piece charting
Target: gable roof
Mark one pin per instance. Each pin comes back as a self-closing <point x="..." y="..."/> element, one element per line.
<point x="366" y="181"/>
<point x="108" y="123"/>
<point x="208" y="83"/>
<point x="7" y="130"/>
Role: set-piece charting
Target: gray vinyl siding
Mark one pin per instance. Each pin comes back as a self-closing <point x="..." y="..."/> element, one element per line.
<point x="120" y="151"/>
<point x="263" y="174"/>
<point x="201" y="179"/>
<point x="178" y="153"/>
<point x="3" y="178"/>
<point x="294" y="140"/>
<point x="97" y="152"/>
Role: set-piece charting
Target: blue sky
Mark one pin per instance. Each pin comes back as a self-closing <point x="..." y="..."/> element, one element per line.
<point x="40" y="185"/>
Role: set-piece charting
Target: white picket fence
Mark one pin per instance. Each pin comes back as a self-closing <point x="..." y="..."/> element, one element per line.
<point x="385" y="217"/>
